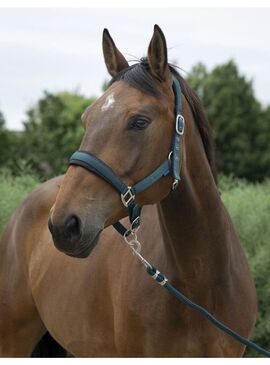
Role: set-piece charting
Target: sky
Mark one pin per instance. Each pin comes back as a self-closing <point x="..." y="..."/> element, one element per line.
<point x="60" y="49"/>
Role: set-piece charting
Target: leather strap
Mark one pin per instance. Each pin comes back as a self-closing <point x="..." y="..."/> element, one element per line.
<point x="94" y="164"/>
<point x="179" y="130"/>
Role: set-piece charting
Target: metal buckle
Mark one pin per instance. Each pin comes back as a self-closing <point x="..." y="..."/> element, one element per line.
<point x="180" y="124"/>
<point x="128" y="196"/>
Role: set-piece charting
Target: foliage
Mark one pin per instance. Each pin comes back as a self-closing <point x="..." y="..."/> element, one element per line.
<point x="3" y="138"/>
<point x="2" y="120"/>
<point x="9" y="141"/>
<point x="241" y="127"/>
<point x="249" y="207"/>
<point x="13" y="189"/>
<point x="53" y="131"/>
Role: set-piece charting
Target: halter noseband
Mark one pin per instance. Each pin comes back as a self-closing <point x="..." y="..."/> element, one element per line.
<point x="128" y="193"/>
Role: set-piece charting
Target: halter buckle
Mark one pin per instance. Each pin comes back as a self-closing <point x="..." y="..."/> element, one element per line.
<point x="180" y="124"/>
<point x="128" y="196"/>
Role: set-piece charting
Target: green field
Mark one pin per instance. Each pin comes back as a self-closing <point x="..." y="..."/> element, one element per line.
<point x="249" y="206"/>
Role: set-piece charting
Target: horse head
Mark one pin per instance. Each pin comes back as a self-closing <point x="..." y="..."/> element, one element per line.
<point x="130" y="128"/>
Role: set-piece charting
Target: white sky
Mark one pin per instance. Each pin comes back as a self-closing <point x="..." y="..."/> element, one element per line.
<point x="60" y="49"/>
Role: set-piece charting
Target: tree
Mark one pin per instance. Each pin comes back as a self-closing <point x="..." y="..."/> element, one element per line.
<point x="2" y="120"/>
<point x="4" y="140"/>
<point x="197" y="79"/>
<point x="53" y="131"/>
<point x="6" y="146"/>
<point x="236" y="117"/>
<point x="261" y="153"/>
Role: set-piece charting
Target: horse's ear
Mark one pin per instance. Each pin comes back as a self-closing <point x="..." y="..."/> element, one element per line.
<point x="114" y="59"/>
<point x="157" y="55"/>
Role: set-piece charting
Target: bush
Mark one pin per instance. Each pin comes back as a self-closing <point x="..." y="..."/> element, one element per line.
<point x="13" y="189"/>
<point x="249" y="207"/>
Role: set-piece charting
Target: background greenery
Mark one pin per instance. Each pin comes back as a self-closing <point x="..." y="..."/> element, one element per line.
<point x="241" y="127"/>
<point x="240" y="123"/>
<point x="249" y="207"/>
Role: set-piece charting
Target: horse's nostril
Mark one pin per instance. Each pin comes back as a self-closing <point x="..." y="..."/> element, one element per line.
<point x="73" y="225"/>
<point x="66" y="232"/>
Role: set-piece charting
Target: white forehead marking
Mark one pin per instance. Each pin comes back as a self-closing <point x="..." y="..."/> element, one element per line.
<point x="108" y="102"/>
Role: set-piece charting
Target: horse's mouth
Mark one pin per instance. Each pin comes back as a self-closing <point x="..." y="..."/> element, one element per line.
<point x="83" y="249"/>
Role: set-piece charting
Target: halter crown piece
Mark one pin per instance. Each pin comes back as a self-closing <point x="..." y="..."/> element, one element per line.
<point x="128" y="193"/>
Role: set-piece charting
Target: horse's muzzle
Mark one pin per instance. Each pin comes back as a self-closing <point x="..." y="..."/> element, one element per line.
<point x="71" y="239"/>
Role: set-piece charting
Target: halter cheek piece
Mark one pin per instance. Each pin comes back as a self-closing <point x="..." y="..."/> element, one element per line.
<point x="128" y="193"/>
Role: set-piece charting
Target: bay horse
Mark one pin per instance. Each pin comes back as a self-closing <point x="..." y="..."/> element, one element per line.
<point x="84" y="286"/>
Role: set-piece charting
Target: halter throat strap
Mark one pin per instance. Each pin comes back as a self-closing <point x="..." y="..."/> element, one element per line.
<point x="128" y="193"/>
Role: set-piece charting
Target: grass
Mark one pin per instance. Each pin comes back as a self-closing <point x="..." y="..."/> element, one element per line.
<point x="13" y="189"/>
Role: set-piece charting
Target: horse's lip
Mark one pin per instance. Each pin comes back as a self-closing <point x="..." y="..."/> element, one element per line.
<point x="84" y="252"/>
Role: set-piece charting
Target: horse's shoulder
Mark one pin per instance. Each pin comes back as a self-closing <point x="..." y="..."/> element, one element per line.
<point x="48" y="188"/>
<point x="41" y="199"/>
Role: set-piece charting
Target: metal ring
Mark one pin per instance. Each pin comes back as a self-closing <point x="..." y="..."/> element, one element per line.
<point x="132" y="235"/>
<point x="134" y="222"/>
<point x="179" y="131"/>
<point x="135" y="245"/>
<point x="170" y="155"/>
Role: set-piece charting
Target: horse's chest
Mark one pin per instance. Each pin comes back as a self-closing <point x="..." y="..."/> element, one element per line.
<point x="155" y="324"/>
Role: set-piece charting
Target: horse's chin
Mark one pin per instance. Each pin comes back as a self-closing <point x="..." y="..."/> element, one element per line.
<point x="82" y="249"/>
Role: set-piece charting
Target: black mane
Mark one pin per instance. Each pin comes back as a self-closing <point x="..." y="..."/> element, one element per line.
<point x="138" y="76"/>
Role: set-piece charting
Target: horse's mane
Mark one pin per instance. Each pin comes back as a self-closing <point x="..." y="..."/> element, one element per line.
<point x="138" y="76"/>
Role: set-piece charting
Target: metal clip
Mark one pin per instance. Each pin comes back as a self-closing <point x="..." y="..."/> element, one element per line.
<point x="180" y="124"/>
<point x="128" y="196"/>
<point x="133" y="242"/>
<point x="135" y="245"/>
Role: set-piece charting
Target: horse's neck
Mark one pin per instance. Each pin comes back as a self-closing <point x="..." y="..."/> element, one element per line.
<point x="195" y="226"/>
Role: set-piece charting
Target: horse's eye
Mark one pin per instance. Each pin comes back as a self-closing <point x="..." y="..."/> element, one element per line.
<point x="138" y="123"/>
